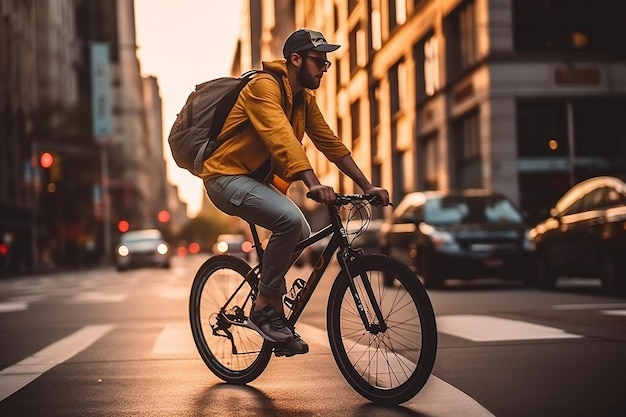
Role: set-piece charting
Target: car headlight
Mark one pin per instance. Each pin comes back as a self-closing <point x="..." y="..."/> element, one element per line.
<point x="123" y="250"/>
<point x="162" y="248"/>
<point x="222" y="247"/>
<point x="440" y="238"/>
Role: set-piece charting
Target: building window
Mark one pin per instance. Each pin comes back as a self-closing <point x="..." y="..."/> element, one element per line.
<point x="374" y="99"/>
<point x="541" y="128"/>
<point x="397" y="13"/>
<point x="397" y="162"/>
<point x="467" y="26"/>
<point x="569" y="25"/>
<point x="376" y="26"/>
<point x="431" y="66"/>
<point x="462" y="38"/>
<point x="426" y="54"/>
<point x="400" y="12"/>
<point x="394" y="93"/>
<point x="429" y="162"/>
<point x="466" y="136"/>
<point x="337" y="65"/>
<point x="358" y="51"/>
<point x="355" y="117"/>
<point x="600" y="131"/>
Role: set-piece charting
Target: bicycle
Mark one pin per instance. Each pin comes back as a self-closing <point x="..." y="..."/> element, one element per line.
<point x="380" y="321"/>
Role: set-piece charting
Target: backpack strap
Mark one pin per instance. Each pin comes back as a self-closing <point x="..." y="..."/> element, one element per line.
<point x="277" y="77"/>
<point x="227" y="103"/>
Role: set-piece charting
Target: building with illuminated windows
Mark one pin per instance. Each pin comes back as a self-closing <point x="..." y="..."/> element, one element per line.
<point x="524" y="97"/>
<point x="52" y="209"/>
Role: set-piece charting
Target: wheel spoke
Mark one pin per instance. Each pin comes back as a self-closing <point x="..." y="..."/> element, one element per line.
<point x="380" y="360"/>
<point x="218" y="308"/>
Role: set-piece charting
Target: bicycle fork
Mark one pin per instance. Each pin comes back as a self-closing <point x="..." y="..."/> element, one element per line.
<point x="373" y="328"/>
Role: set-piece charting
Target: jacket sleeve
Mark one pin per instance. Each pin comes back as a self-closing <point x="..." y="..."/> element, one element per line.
<point x="321" y="134"/>
<point x="263" y="107"/>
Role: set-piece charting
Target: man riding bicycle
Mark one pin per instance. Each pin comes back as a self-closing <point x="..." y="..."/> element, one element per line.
<point x="265" y="143"/>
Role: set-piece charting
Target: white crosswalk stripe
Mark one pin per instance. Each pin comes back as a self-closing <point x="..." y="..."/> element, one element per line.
<point x="175" y="338"/>
<point x="90" y="297"/>
<point x="494" y="329"/>
<point x="9" y="306"/>
<point x="614" y="312"/>
<point x="24" y="372"/>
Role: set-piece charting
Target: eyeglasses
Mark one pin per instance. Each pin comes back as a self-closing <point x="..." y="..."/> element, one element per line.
<point x="322" y="63"/>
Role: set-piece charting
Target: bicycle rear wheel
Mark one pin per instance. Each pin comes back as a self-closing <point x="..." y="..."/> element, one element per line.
<point x="219" y="304"/>
<point x="390" y="362"/>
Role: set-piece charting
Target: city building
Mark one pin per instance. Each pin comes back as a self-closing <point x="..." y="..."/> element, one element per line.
<point x="80" y="135"/>
<point x="523" y="97"/>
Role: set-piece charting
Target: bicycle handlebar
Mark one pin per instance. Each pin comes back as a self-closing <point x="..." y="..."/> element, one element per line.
<point x="343" y="199"/>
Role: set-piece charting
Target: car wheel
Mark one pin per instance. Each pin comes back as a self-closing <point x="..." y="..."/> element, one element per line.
<point x="546" y="274"/>
<point x="430" y="273"/>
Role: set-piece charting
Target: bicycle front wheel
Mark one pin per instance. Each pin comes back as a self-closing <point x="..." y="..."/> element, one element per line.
<point x="387" y="361"/>
<point x="219" y="305"/>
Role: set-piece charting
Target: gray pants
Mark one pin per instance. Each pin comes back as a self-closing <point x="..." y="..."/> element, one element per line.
<point x="263" y="205"/>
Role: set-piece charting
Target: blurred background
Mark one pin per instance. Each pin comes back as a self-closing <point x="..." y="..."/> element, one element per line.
<point x="522" y="97"/>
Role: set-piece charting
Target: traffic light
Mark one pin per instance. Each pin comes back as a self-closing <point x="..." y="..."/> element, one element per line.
<point x="51" y="162"/>
<point x="46" y="160"/>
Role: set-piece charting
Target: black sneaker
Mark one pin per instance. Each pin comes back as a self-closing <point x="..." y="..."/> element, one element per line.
<point x="296" y="346"/>
<point x="270" y="324"/>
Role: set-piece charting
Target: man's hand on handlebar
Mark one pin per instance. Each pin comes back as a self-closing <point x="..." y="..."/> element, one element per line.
<point x="324" y="193"/>
<point x="375" y="195"/>
<point x="381" y="193"/>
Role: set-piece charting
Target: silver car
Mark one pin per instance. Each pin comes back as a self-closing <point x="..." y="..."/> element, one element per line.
<point x="142" y="248"/>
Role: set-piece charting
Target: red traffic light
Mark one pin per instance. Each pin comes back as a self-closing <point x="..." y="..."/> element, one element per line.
<point x="46" y="160"/>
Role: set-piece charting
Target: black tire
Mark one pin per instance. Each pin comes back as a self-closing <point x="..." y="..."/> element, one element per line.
<point x="389" y="366"/>
<point x="546" y="273"/>
<point x="217" y="280"/>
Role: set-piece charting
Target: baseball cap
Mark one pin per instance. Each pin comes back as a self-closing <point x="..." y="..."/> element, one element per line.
<point x="307" y="39"/>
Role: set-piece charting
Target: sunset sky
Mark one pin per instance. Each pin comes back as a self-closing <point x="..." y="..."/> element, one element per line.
<point x="183" y="43"/>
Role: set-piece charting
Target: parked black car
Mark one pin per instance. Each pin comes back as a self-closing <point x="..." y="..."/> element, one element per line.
<point x="468" y="234"/>
<point x="585" y="235"/>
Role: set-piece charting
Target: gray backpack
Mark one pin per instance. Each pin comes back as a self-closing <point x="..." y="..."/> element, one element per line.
<point x="193" y="137"/>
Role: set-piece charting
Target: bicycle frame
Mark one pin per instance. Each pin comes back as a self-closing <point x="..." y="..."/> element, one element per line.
<point x="338" y="240"/>
<point x="371" y="353"/>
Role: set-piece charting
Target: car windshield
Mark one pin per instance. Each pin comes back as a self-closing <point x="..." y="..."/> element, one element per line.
<point x="470" y="209"/>
<point x="139" y="236"/>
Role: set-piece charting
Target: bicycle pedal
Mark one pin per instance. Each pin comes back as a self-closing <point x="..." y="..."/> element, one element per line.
<point x="283" y="349"/>
<point x="278" y="352"/>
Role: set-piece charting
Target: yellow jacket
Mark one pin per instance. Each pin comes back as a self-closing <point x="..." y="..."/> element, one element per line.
<point x="269" y="132"/>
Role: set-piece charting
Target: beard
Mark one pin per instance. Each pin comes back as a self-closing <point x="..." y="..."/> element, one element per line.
<point x="307" y="80"/>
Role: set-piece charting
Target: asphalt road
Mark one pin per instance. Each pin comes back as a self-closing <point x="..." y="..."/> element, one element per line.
<point x="103" y="343"/>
